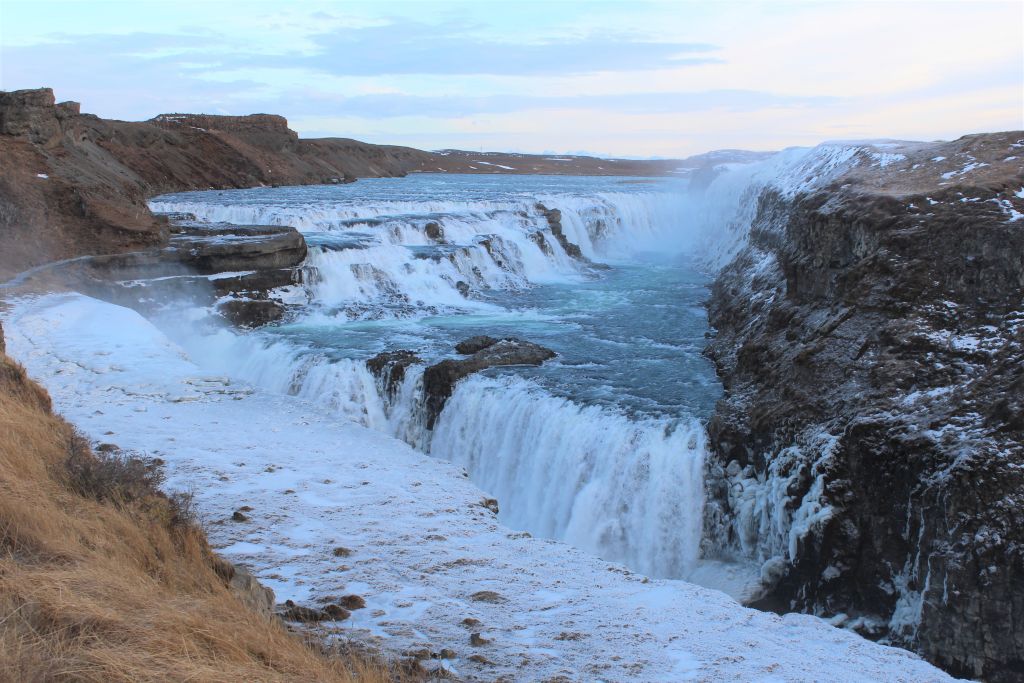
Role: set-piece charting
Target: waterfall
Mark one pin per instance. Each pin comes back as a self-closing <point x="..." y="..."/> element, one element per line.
<point x="625" y="489"/>
<point x="628" y="488"/>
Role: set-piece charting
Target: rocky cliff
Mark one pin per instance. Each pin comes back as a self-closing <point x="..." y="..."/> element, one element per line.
<point x="869" y="452"/>
<point x="74" y="184"/>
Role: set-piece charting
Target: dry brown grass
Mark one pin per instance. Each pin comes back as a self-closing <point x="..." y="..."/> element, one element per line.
<point x="101" y="586"/>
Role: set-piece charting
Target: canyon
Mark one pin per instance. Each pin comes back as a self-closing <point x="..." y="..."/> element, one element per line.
<point x="865" y="324"/>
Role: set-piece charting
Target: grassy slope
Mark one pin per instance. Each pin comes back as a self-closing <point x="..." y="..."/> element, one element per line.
<point x="105" y="581"/>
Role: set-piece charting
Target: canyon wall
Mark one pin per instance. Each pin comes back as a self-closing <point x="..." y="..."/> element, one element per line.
<point x="869" y="452"/>
<point x="73" y="184"/>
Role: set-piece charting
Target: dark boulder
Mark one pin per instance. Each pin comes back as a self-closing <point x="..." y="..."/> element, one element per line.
<point x="389" y="368"/>
<point x="474" y="344"/>
<point x="439" y="380"/>
<point x="434" y="231"/>
<point x="251" y="313"/>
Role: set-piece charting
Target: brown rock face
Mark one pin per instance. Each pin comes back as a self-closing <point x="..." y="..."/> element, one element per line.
<point x="29" y="113"/>
<point x="252" y="592"/>
<point x="73" y="184"/>
<point x="869" y="339"/>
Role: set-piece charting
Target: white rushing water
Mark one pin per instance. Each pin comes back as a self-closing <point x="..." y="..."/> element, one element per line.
<point x="603" y="447"/>
<point x="627" y="490"/>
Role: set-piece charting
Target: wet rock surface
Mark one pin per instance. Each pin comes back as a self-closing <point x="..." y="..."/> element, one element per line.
<point x="474" y="344"/>
<point x="439" y="380"/>
<point x="390" y="366"/>
<point x="250" y="313"/>
<point x="870" y="447"/>
<point x="554" y="218"/>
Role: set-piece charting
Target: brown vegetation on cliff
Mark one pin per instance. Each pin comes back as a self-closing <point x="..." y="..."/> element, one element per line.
<point x="105" y="578"/>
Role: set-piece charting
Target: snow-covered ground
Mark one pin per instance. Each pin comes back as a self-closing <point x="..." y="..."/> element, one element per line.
<point x="422" y="544"/>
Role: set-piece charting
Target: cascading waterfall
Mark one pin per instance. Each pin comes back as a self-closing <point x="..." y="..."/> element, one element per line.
<point x="627" y="486"/>
<point x="627" y="490"/>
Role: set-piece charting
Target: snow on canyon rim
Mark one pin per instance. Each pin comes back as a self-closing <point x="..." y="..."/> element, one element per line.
<point x="422" y="549"/>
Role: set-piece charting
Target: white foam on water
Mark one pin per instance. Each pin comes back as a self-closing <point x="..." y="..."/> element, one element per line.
<point x="624" y="489"/>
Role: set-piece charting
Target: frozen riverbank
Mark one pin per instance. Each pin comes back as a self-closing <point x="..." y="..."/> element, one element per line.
<point x="422" y="544"/>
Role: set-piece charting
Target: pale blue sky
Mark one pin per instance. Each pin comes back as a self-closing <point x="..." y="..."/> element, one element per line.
<point x="637" y="79"/>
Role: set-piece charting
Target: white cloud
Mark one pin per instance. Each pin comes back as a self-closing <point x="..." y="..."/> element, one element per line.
<point x="543" y="76"/>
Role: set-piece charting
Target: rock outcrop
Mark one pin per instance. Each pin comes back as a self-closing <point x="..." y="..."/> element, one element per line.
<point x="221" y="249"/>
<point x="250" y="591"/>
<point x="869" y="451"/>
<point x="554" y="219"/>
<point x="74" y="184"/>
<point x="390" y="367"/>
<point x="439" y="379"/>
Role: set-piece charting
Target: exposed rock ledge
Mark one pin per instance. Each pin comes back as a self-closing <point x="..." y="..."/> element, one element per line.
<point x="870" y="448"/>
<point x="241" y="270"/>
<point x="439" y="379"/>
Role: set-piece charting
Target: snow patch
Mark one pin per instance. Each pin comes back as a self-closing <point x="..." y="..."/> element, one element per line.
<point x="421" y="541"/>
